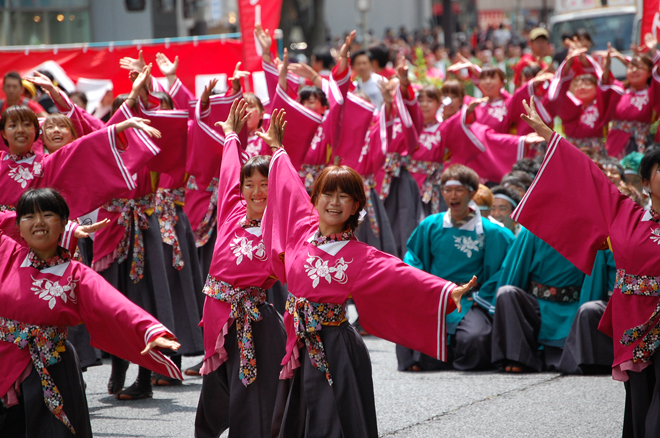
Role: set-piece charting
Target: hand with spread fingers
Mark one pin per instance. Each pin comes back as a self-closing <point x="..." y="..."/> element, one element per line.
<point x="161" y="343"/>
<point x="534" y="120"/>
<point x="206" y="94"/>
<point x="236" y="78"/>
<point x="138" y="123"/>
<point x="458" y="293"/>
<point x="236" y="118"/>
<point x="128" y="63"/>
<point x="84" y="230"/>
<point x="275" y="134"/>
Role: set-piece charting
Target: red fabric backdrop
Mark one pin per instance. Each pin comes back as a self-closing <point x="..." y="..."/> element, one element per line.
<point x="195" y="58"/>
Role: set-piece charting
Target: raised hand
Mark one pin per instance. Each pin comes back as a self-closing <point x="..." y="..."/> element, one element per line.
<point x="167" y="68"/>
<point x="138" y="123"/>
<point x="84" y="230"/>
<point x="206" y="94"/>
<point x="236" y="78"/>
<point x="402" y="73"/>
<point x="283" y="69"/>
<point x="161" y="343"/>
<point x="236" y="118"/>
<point x="457" y="293"/>
<point x="650" y="41"/>
<point x="142" y="80"/>
<point x="41" y="80"/>
<point x="307" y="72"/>
<point x="265" y="41"/>
<point x="475" y="103"/>
<point x="129" y="63"/>
<point x="344" y="52"/>
<point x="275" y="134"/>
<point x="534" y="120"/>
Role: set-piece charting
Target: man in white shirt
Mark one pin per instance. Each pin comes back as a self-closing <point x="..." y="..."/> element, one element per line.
<point x="367" y="81"/>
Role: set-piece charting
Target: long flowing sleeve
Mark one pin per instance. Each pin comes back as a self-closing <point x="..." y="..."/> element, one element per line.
<point x="90" y="171"/>
<point x="569" y="181"/>
<point x="120" y="327"/>
<point x="303" y="124"/>
<point x="356" y="119"/>
<point x="290" y="216"/>
<point x="229" y="193"/>
<point x="83" y="122"/>
<point x="417" y="319"/>
<point x="173" y="126"/>
<point x="181" y="95"/>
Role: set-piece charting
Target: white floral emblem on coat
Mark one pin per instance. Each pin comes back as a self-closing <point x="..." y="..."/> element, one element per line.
<point x="467" y="244"/>
<point x="241" y="246"/>
<point x="428" y="140"/>
<point x="497" y="112"/>
<point x="638" y="101"/>
<point x="318" y="268"/>
<point x="590" y="116"/>
<point x="51" y="290"/>
<point x="22" y="174"/>
<point x="655" y="235"/>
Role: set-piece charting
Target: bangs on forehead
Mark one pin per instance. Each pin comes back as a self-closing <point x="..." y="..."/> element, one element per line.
<point x="336" y="179"/>
<point x="41" y="200"/>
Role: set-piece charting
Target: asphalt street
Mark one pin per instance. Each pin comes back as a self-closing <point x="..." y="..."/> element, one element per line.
<point x="409" y="405"/>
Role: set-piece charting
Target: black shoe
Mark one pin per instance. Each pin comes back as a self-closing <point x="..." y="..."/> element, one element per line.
<point x="194" y="370"/>
<point x="117" y="377"/>
<point x="136" y="391"/>
<point x="160" y="380"/>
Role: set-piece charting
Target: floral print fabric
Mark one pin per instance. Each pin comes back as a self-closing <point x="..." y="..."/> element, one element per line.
<point x="370" y="183"/>
<point x="649" y="332"/>
<point x="19" y="157"/>
<point x="308" y="320"/>
<point x="165" y="208"/>
<point x="308" y="173"/>
<point x="45" y="345"/>
<point x="244" y="303"/>
<point x="393" y="163"/>
<point x="432" y="187"/>
<point x="60" y="258"/>
<point x="638" y="130"/>
<point x="205" y="228"/>
<point x="132" y="211"/>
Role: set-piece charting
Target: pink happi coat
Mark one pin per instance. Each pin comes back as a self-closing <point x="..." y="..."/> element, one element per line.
<point x="83" y="122"/>
<point x="637" y="107"/>
<point x="334" y="272"/>
<point x="67" y="295"/>
<point x="72" y="169"/>
<point x="239" y="255"/>
<point x="580" y="121"/>
<point x="204" y="155"/>
<point x="574" y="207"/>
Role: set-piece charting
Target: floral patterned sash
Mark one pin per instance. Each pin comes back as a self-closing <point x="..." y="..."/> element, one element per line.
<point x="165" y="208"/>
<point x="308" y="319"/>
<point x="206" y="227"/>
<point x="4" y="207"/>
<point x="393" y="164"/>
<point x="369" y="183"/>
<point x="309" y="172"/>
<point x="642" y="285"/>
<point x="132" y="211"/>
<point x="432" y="189"/>
<point x="45" y="345"/>
<point x="244" y="303"/>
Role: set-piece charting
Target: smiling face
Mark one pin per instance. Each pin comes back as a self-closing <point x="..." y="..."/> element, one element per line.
<point x="638" y="73"/>
<point x="452" y="108"/>
<point x="255" y="193"/>
<point x="314" y="104"/>
<point x="490" y="85"/>
<point x="429" y="108"/>
<point x="255" y="115"/>
<point x="19" y="134"/>
<point x="56" y="133"/>
<point x="501" y="211"/>
<point x="335" y="208"/>
<point x="42" y="230"/>
<point x="585" y="91"/>
<point x="654" y="185"/>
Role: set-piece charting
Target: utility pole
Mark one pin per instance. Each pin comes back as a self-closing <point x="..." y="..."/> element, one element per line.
<point x="363" y="7"/>
<point x="448" y="24"/>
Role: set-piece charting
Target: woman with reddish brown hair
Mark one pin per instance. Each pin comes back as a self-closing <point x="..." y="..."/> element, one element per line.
<point x="326" y="389"/>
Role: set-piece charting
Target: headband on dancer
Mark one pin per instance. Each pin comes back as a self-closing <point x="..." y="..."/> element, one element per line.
<point x="506" y="198"/>
<point x="453" y="182"/>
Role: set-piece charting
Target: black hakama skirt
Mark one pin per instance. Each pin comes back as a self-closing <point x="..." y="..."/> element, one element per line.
<point x="404" y="209"/>
<point x="30" y="418"/>
<point x="308" y="407"/>
<point x="185" y="285"/>
<point x="587" y="350"/>
<point x="225" y="403"/>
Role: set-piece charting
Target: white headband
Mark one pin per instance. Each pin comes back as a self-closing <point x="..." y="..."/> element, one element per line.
<point x="506" y="198"/>
<point x="453" y="182"/>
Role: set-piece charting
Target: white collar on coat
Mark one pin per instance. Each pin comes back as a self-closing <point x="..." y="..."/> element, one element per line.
<point x="331" y="248"/>
<point x="58" y="270"/>
<point x="473" y="224"/>
<point x="255" y="231"/>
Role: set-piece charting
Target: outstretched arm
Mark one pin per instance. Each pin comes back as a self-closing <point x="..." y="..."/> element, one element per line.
<point x="167" y="68"/>
<point x="44" y="82"/>
<point x="265" y="41"/>
<point x="236" y="118"/>
<point x="275" y="134"/>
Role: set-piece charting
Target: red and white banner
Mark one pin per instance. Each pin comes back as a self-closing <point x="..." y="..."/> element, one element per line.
<point x="198" y="62"/>
<point x="650" y="19"/>
<point x="251" y="12"/>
